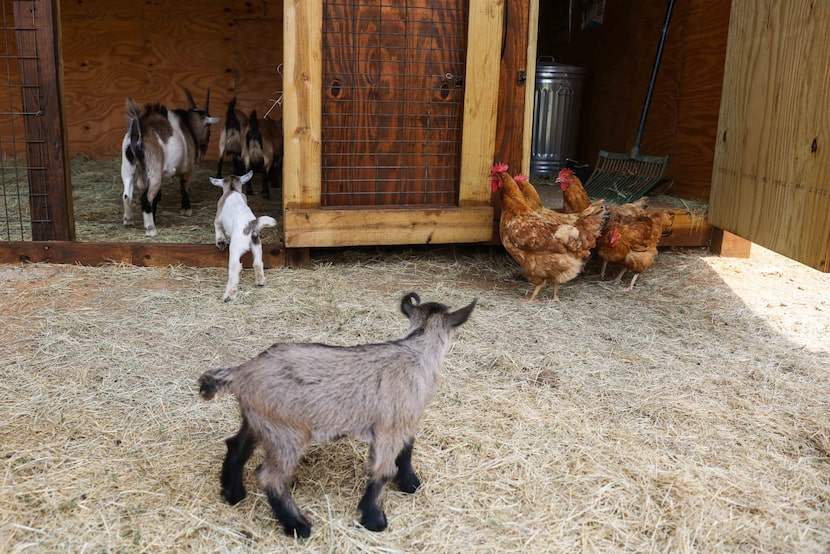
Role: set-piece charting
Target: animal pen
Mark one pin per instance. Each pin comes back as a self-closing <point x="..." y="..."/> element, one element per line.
<point x="687" y="416"/>
<point x="380" y="149"/>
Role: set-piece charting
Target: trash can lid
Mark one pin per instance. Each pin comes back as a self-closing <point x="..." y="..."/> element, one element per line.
<point x="547" y="63"/>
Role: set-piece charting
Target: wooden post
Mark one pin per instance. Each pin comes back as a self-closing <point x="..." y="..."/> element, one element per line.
<point x="724" y="243"/>
<point x="38" y="40"/>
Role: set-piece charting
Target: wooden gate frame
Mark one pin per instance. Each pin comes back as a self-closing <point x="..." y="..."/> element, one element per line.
<point x="307" y="224"/>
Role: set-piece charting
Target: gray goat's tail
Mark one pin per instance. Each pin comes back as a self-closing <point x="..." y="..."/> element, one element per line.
<point x="215" y="380"/>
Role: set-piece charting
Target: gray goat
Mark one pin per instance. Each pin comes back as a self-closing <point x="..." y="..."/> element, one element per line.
<point x="159" y="143"/>
<point x="295" y="393"/>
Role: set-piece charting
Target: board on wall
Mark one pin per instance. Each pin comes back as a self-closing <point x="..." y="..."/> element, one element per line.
<point x="769" y="180"/>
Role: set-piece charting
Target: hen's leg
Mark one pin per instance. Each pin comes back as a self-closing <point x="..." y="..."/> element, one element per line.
<point x="602" y="272"/>
<point x="631" y="286"/>
<point x="619" y="277"/>
<point x="536" y="291"/>
<point x="555" y="290"/>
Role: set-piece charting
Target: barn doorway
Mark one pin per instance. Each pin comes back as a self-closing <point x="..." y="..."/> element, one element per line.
<point x="392" y="102"/>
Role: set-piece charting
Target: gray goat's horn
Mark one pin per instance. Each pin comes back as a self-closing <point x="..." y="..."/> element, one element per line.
<point x="190" y="99"/>
<point x="207" y="101"/>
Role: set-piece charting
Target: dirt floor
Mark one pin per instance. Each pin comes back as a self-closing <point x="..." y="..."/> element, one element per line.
<point x="689" y="415"/>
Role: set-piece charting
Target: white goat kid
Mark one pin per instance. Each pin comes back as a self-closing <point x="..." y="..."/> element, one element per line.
<point x="236" y="225"/>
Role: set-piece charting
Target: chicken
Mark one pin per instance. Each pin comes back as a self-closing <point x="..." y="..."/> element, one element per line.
<point x="574" y="197"/>
<point x="630" y="238"/>
<point x="547" y="245"/>
<point x="531" y="195"/>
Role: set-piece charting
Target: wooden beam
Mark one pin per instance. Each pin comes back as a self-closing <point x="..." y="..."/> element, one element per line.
<point x="361" y="227"/>
<point x="481" y="101"/>
<point x="302" y="109"/>
<point x="688" y="230"/>
<point x="38" y="39"/>
<point x="139" y="254"/>
<point x="516" y="83"/>
<point x="726" y="244"/>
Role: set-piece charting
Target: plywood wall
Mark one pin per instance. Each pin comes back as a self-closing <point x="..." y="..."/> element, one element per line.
<point x="148" y="50"/>
<point x="619" y="55"/>
<point x="770" y="176"/>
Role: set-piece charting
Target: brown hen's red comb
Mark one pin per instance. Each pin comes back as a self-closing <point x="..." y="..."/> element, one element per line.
<point x="565" y="171"/>
<point x="499" y="167"/>
<point x="521" y="177"/>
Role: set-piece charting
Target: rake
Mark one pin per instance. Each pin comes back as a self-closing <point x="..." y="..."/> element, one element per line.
<point x="621" y="178"/>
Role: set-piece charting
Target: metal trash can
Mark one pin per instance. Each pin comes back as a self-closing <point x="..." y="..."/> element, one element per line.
<point x="557" y="101"/>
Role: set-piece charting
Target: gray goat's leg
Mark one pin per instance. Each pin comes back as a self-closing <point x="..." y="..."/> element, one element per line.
<point x="382" y="468"/>
<point x="240" y="448"/>
<point x="405" y="478"/>
<point x="275" y="478"/>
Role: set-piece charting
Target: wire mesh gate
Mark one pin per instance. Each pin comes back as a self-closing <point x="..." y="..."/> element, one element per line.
<point x="35" y="199"/>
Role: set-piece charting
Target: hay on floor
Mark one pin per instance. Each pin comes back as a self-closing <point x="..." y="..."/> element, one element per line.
<point x="688" y="415"/>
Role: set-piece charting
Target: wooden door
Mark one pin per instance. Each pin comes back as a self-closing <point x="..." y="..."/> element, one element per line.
<point x="392" y="103"/>
<point x="394" y="214"/>
<point x="770" y="180"/>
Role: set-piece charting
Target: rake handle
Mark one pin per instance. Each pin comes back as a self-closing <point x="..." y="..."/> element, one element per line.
<point x="635" y="151"/>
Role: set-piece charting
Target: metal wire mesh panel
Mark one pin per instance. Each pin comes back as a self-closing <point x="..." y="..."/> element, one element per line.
<point x="15" y="215"/>
<point x="35" y="202"/>
<point x="393" y="89"/>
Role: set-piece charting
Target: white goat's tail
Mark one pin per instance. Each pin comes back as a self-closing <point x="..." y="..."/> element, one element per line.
<point x="265" y="221"/>
<point x="215" y="380"/>
<point x="257" y="225"/>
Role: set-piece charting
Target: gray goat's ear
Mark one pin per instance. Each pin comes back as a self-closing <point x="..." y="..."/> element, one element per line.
<point x="190" y="101"/>
<point x="218" y="182"/>
<point x="409" y="303"/>
<point x="461" y="315"/>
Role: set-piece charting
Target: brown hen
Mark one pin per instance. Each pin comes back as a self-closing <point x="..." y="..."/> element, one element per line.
<point x="547" y="245"/>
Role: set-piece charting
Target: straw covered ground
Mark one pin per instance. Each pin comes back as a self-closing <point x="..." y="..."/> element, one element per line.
<point x="688" y="416"/>
<point x="97" y="193"/>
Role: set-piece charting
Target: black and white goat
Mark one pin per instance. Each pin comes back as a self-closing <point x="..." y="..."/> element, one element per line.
<point x="236" y="225"/>
<point x="295" y="393"/>
<point x="263" y="151"/>
<point x="159" y="143"/>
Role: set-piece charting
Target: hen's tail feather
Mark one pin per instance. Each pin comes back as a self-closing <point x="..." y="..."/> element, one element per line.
<point x="214" y="381"/>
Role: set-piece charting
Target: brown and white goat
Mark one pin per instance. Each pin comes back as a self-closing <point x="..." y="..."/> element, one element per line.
<point x="295" y="393"/>
<point x="263" y="151"/>
<point x="232" y="139"/>
<point x="236" y="224"/>
<point x="160" y="143"/>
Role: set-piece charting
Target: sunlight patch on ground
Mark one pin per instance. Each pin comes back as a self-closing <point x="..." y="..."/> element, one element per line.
<point x="792" y="297"/>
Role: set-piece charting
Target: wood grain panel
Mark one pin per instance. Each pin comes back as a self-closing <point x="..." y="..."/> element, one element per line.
<point x="112" y="50"/>
<point x="386" y="226"/>
<point x="769" y="181"/>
